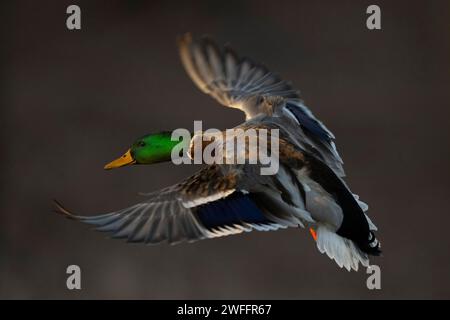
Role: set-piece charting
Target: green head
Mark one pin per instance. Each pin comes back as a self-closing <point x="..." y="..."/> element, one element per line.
<point x="151" y="148"/>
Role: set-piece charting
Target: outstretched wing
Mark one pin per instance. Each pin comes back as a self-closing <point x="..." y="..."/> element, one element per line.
<point x="240" y="83"/>
<point x="231" y="80"/>
<point x="206" y="205"/>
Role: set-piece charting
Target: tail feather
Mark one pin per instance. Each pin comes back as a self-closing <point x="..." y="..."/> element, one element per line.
<point x="342" y="250"/>
<point x="355" y="226"/>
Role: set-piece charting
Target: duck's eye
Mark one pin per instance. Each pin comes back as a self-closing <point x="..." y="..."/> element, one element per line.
<point x="141" y="144"/>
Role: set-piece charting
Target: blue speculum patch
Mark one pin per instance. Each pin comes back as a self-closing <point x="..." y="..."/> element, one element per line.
<point x="234" y="209"/>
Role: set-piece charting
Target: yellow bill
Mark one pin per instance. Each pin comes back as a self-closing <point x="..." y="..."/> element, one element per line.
<point x="124" y="160"/>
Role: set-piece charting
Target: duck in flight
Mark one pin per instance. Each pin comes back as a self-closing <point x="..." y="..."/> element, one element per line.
<point x="308" y="189"/>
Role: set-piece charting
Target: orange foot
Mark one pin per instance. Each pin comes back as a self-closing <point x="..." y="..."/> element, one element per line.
<point x="313" y="233"/>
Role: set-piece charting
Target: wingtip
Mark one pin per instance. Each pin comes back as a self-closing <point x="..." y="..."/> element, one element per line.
<point x="60" y="209"/>
<point x="207" y="38"/>
<point x="184" y="39"/>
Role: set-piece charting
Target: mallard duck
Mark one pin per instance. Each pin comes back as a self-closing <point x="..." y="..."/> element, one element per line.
<point x="224" y="199"/>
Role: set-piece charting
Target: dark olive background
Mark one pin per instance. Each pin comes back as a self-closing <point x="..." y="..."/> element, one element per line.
<point x="74" y="100"/>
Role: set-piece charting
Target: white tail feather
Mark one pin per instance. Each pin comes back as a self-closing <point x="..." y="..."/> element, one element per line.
<point x="340" y="249"/>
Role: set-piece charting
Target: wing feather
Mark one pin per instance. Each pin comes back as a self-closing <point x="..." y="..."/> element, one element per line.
<point x="177" y="213"/>
<point x="227" y="78"/>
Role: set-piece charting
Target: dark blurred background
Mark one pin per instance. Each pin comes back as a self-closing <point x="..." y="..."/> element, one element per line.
<point x="74" y="100"/>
